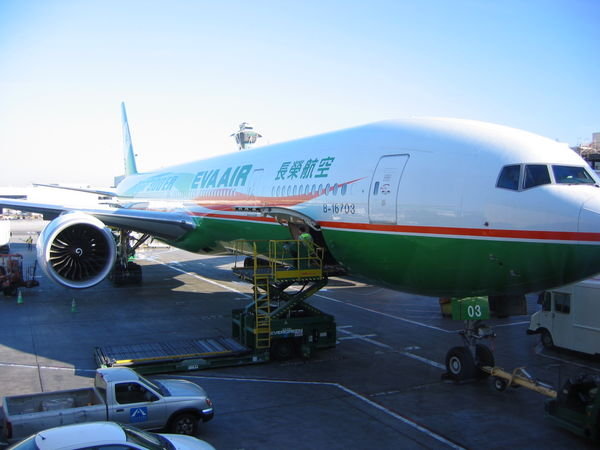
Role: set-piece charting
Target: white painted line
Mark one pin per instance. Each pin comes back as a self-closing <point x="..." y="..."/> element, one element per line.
<point x="391" y="316"/>
<point x="512" y="324"/>
<point x="36" y="367"/>
<point x="424" y="360"/>
<point x="432" y="434"/>
<point x="366" y="337"/>
<point x="540" y="347"/>
<point x="195" y="275"/>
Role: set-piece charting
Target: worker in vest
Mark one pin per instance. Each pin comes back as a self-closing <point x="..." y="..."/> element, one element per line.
<point x="307" y="241"/>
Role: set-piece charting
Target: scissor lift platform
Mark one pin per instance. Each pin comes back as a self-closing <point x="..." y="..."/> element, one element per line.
<point x="276" y="324"/>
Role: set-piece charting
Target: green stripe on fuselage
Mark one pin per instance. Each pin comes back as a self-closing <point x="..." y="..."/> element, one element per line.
<point x="437" y="266"/>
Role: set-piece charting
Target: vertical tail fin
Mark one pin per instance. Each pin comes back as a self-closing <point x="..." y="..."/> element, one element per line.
<point x="128" y="155"/>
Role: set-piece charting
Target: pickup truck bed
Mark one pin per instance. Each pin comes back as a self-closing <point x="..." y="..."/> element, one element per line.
<point x="51" y="401"/>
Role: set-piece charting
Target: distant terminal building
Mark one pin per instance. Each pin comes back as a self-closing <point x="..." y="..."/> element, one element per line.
<point x="591" y="152"/>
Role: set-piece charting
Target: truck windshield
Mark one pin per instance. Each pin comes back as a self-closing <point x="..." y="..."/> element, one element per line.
<point x="156" y="385"/>
<point x="572" y="175"/>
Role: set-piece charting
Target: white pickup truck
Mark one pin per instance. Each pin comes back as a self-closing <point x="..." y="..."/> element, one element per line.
<point x="120" y="395"/>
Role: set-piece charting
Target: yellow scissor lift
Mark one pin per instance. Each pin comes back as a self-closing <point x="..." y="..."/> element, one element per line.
<point x="284" y="273"/>
<point x="276" y="324"/>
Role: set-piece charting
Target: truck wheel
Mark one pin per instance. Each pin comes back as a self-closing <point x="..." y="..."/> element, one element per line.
<point x="460" y="364"/>
<point x="282" y="349"/>
<point x="485" y="357"/>
<point x="184" y="424"/>
<point x="546" y="339"/>
<point x="500" y="384"/>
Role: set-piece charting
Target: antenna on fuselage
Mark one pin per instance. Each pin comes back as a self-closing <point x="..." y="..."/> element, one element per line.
<point x="245" y="137"/>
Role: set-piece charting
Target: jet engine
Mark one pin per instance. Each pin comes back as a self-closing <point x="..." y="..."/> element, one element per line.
<point x="76" y="250"/>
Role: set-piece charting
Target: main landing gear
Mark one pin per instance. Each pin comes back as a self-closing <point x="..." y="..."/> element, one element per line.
<point x="125" y="271"/>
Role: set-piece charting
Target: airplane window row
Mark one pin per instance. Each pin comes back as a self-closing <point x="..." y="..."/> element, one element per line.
<point x="525" y="176"/>
<point x="289" y="191"/>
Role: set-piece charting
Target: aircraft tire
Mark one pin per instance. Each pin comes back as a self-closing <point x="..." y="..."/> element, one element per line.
<point x="485" y="357"/>
<point x="460" y="364"/>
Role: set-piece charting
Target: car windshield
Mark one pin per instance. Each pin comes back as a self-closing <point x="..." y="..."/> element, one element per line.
<point x="147" y="440"/>
<point x="27" y="444"/>
<point x="572" y="175"/>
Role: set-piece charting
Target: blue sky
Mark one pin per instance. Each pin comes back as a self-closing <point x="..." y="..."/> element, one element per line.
<point x="191" y="71"/>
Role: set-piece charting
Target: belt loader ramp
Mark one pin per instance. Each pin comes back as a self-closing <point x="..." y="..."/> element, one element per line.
<point x="277" y="324"/>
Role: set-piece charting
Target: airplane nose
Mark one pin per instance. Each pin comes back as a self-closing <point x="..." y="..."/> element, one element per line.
<point x="589" y="216"/>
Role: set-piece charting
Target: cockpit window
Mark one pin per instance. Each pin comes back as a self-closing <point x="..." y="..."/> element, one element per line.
<point x="572" y="175"/>
<point x="509" y="177"/>
<point x="536" y="175"/>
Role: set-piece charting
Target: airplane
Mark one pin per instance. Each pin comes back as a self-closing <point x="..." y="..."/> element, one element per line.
<point x="441" y="207"/>
<point x="433" y="206"/>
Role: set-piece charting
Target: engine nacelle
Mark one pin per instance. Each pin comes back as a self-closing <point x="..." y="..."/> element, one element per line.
<point x="76" y="250"/>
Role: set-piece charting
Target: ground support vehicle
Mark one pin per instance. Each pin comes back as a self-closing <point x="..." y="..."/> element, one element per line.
<point x="277" y="324"/>
<point x="570" y="317"/>
<point x="577" y="407"/>
<point x="465" y="362"/>
<point x="12" y="276"/>
<point x="120" y="395"/>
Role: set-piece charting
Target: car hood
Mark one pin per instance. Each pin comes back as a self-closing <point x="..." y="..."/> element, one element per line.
<point x="183" y="388"/>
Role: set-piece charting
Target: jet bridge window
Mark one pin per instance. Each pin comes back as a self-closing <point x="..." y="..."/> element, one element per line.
<point x="536" y="175"/>
<point x="509" y="177"/>
<point x="572" y="175"/>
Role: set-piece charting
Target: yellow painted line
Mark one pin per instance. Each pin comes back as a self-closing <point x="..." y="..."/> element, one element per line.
<point x="156" y="358"/>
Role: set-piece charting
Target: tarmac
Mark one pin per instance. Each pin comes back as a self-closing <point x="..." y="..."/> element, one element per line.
<point x="381" y="387"/>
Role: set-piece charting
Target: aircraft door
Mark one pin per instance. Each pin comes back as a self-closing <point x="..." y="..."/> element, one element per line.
<point x="257" y="177"/>
<point x="562" y="321"/>
<point x="383" y="195"/>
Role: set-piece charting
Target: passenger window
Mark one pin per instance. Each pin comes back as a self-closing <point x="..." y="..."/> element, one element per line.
<point x="327" y="189"/>
<point x="509" y="177"/>
<point x="344" y="189"/>
<point x="562" y="302"/>
<point x="536" y="175"/>
<point x="335" y="189"/>
<point x="376" y="188"/>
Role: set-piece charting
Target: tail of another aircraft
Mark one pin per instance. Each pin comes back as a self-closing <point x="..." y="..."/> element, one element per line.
<point x="128" y="155"/>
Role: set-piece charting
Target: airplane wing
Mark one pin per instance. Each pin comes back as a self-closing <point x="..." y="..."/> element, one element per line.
<point x="165" y="225"/>
<point x="89" y="191"/>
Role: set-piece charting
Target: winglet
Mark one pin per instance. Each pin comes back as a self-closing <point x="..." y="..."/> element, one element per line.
<point x="129" y="157"/>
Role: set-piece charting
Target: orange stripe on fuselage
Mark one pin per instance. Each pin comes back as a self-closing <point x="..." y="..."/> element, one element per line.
<point x="446" y="231"/>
